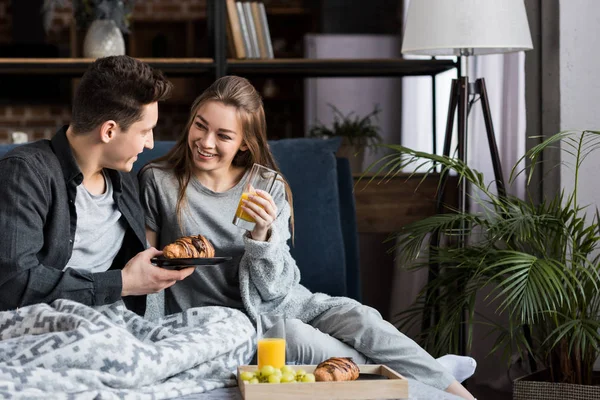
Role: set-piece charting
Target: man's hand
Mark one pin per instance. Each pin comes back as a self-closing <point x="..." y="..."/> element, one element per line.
<point x="140" y="276"/>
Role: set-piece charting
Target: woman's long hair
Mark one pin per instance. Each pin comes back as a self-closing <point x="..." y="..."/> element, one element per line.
<point x="237" y="92"/>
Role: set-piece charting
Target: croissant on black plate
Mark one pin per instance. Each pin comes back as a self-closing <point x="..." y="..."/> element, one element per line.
<point x="197" y="246"/>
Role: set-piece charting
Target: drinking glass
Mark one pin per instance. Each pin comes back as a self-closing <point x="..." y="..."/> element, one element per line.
<point x="259" y="178"/>
<point x="271" y="341"/>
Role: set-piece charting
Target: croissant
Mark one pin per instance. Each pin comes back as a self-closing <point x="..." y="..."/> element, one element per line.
<point x="190" y="247"/>
<point x="337" y="369"/>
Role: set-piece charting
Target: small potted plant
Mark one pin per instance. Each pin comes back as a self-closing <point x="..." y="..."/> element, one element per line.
<point x="357" y="133"/>
<point x="541" y="263"/>
<point x="104" y="20"/>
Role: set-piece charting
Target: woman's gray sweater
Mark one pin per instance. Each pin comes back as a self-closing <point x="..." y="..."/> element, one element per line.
<point x="262" y="276"/>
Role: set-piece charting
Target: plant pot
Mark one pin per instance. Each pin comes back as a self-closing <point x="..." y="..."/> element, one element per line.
<point x="103" y="39"/>
<point x="354" y="154"/>
<point x="536" y="386"/>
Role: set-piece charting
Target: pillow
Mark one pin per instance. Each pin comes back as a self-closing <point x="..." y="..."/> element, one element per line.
<point x="310" y="167"/>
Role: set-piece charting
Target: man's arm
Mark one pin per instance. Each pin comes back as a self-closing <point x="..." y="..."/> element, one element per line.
<point x="24" y="209"/>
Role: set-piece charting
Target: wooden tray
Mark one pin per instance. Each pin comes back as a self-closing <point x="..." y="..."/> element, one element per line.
<point x="395" y="387"/>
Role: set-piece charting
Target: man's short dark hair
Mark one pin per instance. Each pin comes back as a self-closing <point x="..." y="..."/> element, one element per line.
<point x="116" y="88"/>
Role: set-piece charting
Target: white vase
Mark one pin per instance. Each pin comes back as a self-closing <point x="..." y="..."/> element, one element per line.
<point x="103" y="39"/>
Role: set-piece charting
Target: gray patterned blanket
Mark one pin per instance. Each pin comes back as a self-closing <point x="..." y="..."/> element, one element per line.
<point x="68" y="350"/>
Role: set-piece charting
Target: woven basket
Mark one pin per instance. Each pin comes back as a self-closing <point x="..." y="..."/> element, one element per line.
<point x="534" y="387"/>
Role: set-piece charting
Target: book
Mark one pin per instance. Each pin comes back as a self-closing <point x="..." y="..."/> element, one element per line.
<point x="266" y="32"/>
<point x="235" y="31"/>
<point x="255" y="52"/>
<point x="260" y="34"/>
<point x="244" y="29"/>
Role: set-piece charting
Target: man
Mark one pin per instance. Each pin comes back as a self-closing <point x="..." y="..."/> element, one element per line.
<point x="71" y="225"/>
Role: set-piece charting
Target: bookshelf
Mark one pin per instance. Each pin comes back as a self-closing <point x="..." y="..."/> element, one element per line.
<point x="203" y="57"/>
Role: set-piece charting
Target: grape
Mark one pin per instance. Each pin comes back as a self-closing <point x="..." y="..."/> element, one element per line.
<point x="270" y="374"/>
<point x="288" y="377"/>
<point x="287" y="368"/>
<point x="246" y="375"/>
<point x="267" y="370"/>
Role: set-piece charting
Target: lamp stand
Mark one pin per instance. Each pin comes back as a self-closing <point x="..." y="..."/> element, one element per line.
<point x="459" y="99"/>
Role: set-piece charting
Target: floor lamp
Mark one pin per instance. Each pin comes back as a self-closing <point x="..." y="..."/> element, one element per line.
<point x="465" y="28"/>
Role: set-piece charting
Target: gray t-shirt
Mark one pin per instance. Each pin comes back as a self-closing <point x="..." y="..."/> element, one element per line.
<point x="208" y="213"/>
<point x="100" y="230"/>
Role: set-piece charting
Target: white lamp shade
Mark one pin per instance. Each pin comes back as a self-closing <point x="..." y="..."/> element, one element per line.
<point x="445" y="27"/>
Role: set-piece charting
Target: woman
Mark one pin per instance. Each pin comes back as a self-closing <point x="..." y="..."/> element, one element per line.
<point x="195" y="188"/>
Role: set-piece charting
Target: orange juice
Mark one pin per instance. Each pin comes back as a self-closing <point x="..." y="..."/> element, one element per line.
<point x="241" y="214"/>
<point x="271" y="352"/>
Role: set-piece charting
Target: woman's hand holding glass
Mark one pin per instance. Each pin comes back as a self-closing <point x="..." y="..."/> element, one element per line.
<point x="261" y="207"/>
<point x="256" y="210"/>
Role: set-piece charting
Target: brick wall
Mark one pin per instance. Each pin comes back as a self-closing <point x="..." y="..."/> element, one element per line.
<point x="38" y="122"/>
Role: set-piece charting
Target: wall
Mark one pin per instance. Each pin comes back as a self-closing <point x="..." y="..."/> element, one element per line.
<point x="580" y="86"/>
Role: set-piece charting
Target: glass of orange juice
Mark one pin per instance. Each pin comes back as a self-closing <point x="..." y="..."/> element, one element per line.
<point x="259" y="178"/>
<point x="271" y="341"/>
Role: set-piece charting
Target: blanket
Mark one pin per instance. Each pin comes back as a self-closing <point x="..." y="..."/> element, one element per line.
<point x="67" y="350"/>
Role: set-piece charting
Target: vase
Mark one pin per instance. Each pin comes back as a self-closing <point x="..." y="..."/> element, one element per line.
<point x="103" y="39"/>
<point x="355" y="155"/>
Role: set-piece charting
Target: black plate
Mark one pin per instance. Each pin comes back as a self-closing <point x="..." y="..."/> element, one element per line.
<point x="180" y="263"/>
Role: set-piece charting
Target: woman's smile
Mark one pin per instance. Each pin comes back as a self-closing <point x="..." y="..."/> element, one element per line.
<point x="205" y="155"/>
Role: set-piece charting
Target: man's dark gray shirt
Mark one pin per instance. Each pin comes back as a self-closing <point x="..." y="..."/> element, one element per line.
<point x="38" y="185"/>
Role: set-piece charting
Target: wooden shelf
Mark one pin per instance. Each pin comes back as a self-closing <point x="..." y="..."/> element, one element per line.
<point x="338" y="67"/>
<point x="282" y="67"/>
<point x="77" y="66"/>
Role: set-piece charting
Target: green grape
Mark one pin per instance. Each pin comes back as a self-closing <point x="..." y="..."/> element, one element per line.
<point x="277" y="372"/>
<point x="288" y="377"/>
<point x="247" y="375"/>
<point x="308" y="378"/>
<point x="300" y="372"/>
<point x="274" y="379"/>
<point x="287" y="368"/>
<point x="253" y="381"/>
<point x="267" y="370"/>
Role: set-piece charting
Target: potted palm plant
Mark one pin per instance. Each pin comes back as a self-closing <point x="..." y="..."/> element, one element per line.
<point x="540" y="262"/>
<point x="357" y="133"/>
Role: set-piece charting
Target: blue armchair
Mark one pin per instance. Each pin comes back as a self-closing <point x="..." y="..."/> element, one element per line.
<point x="326" y="238"/>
